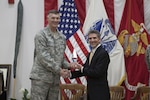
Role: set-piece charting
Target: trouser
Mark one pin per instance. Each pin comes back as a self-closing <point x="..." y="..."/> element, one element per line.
<point x="44" y="91"/>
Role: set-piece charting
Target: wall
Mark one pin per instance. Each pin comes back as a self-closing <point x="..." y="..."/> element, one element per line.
<point x="33" y="20"/>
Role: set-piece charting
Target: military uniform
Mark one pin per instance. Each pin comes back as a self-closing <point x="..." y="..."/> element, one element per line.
<point x="48" y="60"/>
<point x="147" y="56"/>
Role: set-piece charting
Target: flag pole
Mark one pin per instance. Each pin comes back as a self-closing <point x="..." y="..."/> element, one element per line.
<point x="17" y="43"/>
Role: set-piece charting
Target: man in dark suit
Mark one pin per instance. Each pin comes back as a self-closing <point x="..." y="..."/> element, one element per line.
<point x="95" y="68"/>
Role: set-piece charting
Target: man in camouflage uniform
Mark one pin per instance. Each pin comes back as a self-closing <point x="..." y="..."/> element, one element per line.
<point x="49" y="59"/>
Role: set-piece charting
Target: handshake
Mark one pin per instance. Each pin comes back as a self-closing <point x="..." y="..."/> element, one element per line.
<point x="65" y="73"/>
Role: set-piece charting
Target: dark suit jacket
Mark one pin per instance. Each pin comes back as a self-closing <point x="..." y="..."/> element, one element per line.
<point x="96" y="72"/>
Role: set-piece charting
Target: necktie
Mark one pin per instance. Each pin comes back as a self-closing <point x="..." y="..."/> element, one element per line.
<point x="90" y="58"/>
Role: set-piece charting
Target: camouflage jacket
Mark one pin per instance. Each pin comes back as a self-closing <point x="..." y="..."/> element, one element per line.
<point x="48" y="56"/>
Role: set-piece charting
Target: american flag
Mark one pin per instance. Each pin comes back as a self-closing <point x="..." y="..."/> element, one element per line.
<point x="71" y="28"/>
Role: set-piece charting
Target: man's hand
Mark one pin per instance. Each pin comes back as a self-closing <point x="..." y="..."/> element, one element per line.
<point x="65" y="73"/>
<point x="75" y="65"/>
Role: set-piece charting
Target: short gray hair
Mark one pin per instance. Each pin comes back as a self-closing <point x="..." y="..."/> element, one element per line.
<point x="53" y="11"/>
<point x="94" y="32"/>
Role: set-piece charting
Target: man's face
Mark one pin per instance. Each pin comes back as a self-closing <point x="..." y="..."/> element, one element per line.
<point x="53" y="20"/>
<point x="94" y="40"/>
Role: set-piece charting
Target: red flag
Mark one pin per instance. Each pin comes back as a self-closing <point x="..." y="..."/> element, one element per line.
<point x="48" y="5"/>
<point x="109" y="6"/>
<point x="134" y="39"/>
